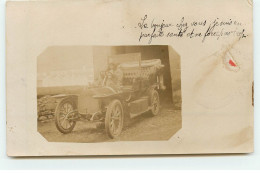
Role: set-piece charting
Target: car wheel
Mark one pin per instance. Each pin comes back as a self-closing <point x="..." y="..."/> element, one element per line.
<point x="155" y="102"/>
<point x="64" y="111"/>
<point x="114" y="119"/>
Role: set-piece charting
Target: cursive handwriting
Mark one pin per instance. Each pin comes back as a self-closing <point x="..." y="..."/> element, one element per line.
<point x="153" y="28"/>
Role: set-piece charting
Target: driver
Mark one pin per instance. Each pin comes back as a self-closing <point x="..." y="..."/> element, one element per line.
<point x="113" y="76"/>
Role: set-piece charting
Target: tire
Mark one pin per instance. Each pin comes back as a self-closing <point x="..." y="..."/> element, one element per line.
<point x="155" y="102"/>
<point x="62" y="113"/>
<point x="114" y="115"/>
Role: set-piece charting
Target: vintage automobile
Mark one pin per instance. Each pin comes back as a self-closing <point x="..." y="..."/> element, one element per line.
<point x="138" y="94"/>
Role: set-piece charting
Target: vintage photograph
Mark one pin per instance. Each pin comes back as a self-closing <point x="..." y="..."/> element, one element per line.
<point x="91" y="78"/>
<point x="108" y="93"/>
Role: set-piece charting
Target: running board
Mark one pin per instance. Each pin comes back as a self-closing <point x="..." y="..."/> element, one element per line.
<point x="132" y="115"/>
<point x="139" y="106"/>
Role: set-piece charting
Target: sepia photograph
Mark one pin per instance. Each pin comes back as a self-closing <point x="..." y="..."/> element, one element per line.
<point x="108" y="93"/>
<point x="106" y="78"/>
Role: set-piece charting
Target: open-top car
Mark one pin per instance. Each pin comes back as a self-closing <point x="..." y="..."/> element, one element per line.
<point x="109" y="105"/>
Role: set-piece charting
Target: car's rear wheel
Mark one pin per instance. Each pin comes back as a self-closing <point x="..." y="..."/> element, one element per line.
<point x="155" y="102"/>
<point x="114" y="119"/>
<point x="64" y="113"/>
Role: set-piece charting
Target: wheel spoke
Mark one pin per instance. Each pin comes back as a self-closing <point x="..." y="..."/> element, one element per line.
<point x="62" y="114"/>
<point x="118" y="111"/>
<point x="155" y="99"/>
<point x="66" y="108"/>
<point x="112" y="126"/>
<point x="63" y="122"/>
<point x="62" y="118"/>
<point x="68" y="124"/>
<point x="69" y="108"/>
<point x="115" y="117"/>
<point x="115" y="113"/>
<point x="62" y="110"/>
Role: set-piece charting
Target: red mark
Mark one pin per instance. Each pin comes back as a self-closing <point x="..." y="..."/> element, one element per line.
<point x="232" y="63"/>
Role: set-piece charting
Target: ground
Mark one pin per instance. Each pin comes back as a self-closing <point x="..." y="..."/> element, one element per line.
<point x="141" y="128"/>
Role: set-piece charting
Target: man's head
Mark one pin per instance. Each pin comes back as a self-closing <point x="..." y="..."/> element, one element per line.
<point x="111" y="66"/>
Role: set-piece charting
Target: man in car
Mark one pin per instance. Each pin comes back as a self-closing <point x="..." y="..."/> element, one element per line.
<point x="113" y="76"/>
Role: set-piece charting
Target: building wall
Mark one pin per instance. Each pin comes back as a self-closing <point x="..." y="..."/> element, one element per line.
<point x="65" y="66"/>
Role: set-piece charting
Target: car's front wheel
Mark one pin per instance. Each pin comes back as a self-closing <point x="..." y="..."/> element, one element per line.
<point x="114" y="119"/>
<point x="64" y="113"/>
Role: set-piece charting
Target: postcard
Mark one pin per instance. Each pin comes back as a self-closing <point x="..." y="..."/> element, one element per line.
<point x="113" y="77"/>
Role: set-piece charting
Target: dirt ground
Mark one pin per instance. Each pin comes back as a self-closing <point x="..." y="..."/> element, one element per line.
<point x="141" y="128"/>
